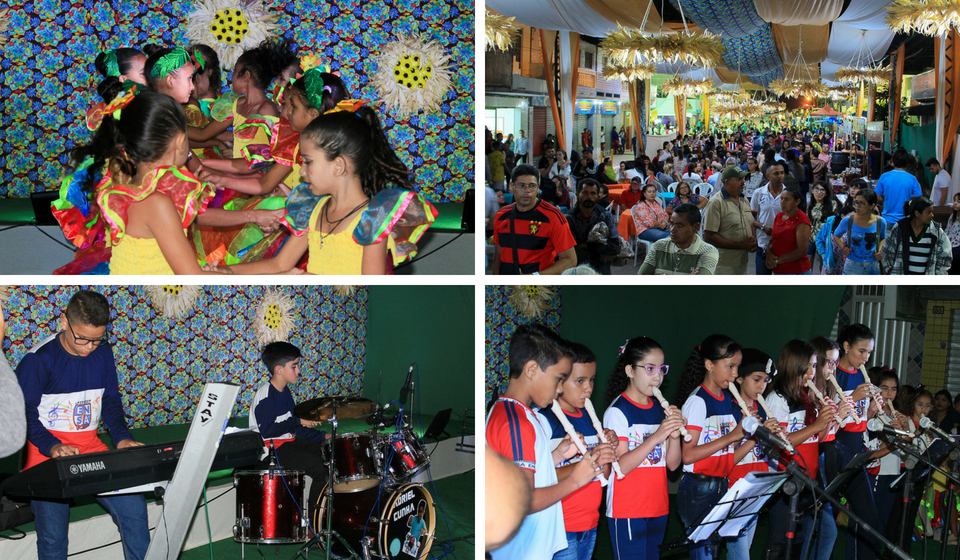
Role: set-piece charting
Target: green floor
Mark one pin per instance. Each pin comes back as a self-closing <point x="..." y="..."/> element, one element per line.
<point x="604" y="550"/>
<point x="455" y="493"/>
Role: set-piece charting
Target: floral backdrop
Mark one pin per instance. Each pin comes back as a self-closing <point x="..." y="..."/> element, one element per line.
<point x="502" y="320"/>
<point x="48" y="80"/>
<point x="163" y="363"/>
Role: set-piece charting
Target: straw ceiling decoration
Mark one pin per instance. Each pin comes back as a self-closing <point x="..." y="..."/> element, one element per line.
<point x="798" y="88"/>
<point x="703" y="50"/>
<point x="837" y="93"/>
<point x="500" y="31"/>
<point x="744" y="110"/>
<point x="869" y="75"/>
<point x="628" y="72"/>
<point x="686" y="87"/>
<point x="929" y="17"/>
<point x="771" y="107"/>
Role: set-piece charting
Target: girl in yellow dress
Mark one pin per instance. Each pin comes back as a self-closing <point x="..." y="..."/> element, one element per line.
<point x="147" y="198"/>
<point x="345" y="214"/>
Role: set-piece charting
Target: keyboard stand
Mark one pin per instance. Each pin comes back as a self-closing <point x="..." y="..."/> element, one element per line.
<point x="199" y="449"/>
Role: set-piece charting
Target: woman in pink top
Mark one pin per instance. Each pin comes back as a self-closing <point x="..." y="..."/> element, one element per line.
<point x="649" y="217"/>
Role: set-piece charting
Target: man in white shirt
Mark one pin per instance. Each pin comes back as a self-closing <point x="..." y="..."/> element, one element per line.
<point x="941" y="193"/>
<point x="765" y="205"/>
<point x="521" y="148"/>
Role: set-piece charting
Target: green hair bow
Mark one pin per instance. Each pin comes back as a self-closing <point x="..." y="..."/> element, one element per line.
<point x="171" y="61"/>
<point x="111" y="63"/>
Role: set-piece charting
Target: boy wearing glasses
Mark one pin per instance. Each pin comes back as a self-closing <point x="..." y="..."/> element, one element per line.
<point x="69" y="382"/>
<point x="531" y="236"/>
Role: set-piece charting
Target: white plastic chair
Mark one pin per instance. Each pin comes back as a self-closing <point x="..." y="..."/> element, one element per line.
<point x="672" y="187"/>
<point x="663" y="203"/>
<point x="704" y="189"/>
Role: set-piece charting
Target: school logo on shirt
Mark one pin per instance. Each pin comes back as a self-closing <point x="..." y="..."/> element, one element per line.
<point x="534" y="227"/>
<point x="82" y="415"/>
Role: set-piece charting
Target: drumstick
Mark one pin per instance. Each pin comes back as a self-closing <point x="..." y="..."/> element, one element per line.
<point x="666" y="407"/>
<point x="599" y="428"/>
<point x="568" y="427"/>
<point x="763" y="404"/>
<point x="841" y="394"/>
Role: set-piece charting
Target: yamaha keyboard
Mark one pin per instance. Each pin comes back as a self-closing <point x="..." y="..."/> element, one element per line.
<point x="106" y="471"/>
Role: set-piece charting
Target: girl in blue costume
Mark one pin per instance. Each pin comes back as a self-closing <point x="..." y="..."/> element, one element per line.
<point x="346" y="215"/>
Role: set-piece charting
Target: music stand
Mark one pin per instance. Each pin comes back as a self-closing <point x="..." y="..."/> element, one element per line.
<point x="741" y="503"/>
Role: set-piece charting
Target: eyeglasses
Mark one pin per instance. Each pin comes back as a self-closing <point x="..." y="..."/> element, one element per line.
<point x="81" y="341"/>
<point x="859" y="203"/>
<point x="833" y="363"/>
<point x="921" y="405"/>
<point x="529" y="187"/>
<point x="653" y="370"/>
<point x="819" y="189"/>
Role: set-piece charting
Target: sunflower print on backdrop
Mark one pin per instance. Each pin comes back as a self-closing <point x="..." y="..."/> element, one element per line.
<point x="163" y="364"/>
<point x="502" y="320"/>
<point x="47" y="77"/>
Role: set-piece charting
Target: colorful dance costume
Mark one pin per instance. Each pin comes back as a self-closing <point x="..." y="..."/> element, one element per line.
<point x="849" y="442"/>
<point x="581" y="509"/>
<point x="517" y="433"/>
<point x="396" y="216"/>
<point x="66" y="396"/>
<point x="297" y="447"/>
<point x="754" y="461"/>
<point x="636" y="524"/>
<point x="198" y="116"/>
<point x="705" y="481"/>
<point x="143" y="256"/>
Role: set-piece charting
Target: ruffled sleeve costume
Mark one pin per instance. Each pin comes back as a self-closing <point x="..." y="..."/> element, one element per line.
<point x="79" y="216"/>
<point x="133" y="255"/>
<point x="396" y="216"/>
<point x="199" y="117"/>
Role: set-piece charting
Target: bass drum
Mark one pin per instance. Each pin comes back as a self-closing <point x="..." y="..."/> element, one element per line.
<point x="402" y="528"/>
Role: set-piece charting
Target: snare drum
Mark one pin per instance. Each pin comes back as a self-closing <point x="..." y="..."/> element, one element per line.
<point x="402" y="528"/>
<point x="356" y="467"/>
<point x="409" y="456"/>
<point x="268" y="507"/>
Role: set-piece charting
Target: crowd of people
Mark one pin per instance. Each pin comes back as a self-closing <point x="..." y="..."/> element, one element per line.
<point x="816" y="395"/>
<point x="283" y="172"/>
<point x="769" y="197"/>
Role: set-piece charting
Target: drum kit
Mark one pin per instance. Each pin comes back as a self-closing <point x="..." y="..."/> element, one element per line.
<point x="369" y="507"/>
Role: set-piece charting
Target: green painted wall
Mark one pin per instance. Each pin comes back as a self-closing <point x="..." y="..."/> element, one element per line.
<point x="679" y="318"/>
<point x="923" y="139"/>
<point x="432" y="326"/>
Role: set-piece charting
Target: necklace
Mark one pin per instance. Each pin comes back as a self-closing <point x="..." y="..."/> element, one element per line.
<point x="334" y="224"/>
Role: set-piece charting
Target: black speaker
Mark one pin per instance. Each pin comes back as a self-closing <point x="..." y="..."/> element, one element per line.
<point x="41" y="201"/>
<point x="469" y="220"/>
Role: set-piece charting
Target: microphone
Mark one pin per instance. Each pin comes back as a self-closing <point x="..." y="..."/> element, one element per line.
<point x="877" y="425"/>
<point x="753" y="427"/>
<point x="927" y="424"/>
<point x="377" y="416"/>
<point x="406" y="385"/>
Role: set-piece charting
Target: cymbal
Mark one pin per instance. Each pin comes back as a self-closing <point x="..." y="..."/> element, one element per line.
<point x="322" y="408"/>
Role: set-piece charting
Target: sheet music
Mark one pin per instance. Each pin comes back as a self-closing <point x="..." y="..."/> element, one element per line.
<point x="744" y="499"/>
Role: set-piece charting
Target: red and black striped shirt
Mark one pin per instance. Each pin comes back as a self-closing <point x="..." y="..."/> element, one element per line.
<point x="530" y="241"/>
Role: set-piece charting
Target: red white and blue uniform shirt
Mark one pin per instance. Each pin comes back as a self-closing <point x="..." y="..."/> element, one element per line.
<point x="581" y="509"/>
<point x="516" y="432"/>
<point x="756" y="459"/>
<point x="849" y="381"/>
<point x="793" y="420"/>
<point x="714" y="416"/>
<point x="643" y="491"/>
<point x="66" y="396"/>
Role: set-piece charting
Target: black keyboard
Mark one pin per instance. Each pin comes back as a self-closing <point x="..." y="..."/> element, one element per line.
<point x="105" y="471"/>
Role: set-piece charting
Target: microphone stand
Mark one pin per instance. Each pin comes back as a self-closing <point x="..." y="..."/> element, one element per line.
<point x="799" y="476"/>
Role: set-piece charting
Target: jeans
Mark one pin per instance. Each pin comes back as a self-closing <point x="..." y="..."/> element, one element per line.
<point x="827" y="534"/>
<point x="579" y="545"/>
<point x="638" y="538"/>
<point x="653" y="234"/>
<point x="740" y="548"/>
<point x="129" y="512"/>
<point x="761" y="256"/>
<point x="854" y="267"/>
<point x="695" y="498"/>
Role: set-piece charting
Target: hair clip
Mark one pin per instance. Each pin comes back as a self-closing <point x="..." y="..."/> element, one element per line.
<point x="111" y="64"/>
<point x="199" y="63"/>
<point x="349" y="106"/>
<point x="624" y="347"/>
